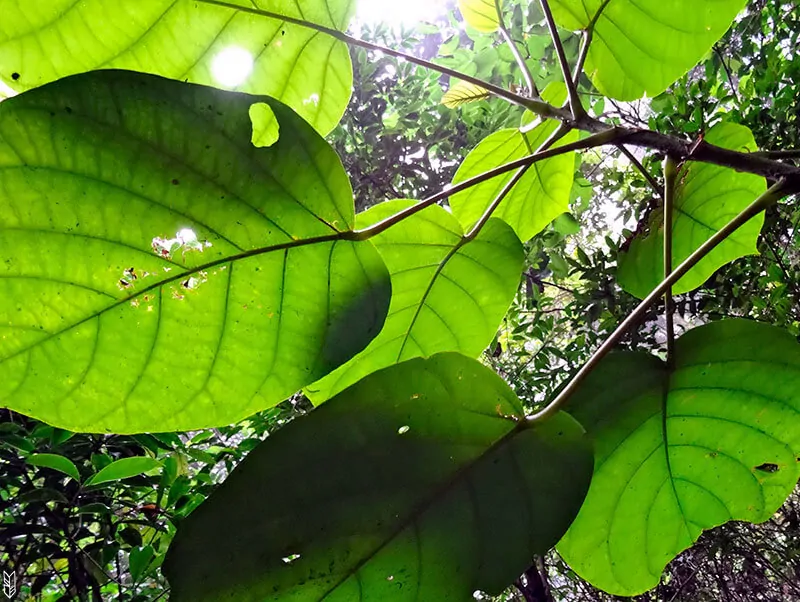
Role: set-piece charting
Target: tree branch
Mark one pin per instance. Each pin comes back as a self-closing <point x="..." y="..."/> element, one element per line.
<point x="535" y="105"/>
<point x="670" y="180"/>
<point x="638" y="165"/>
<point x="575" y="105"/>
<point x="526" y="73"/>
<point x="771" y="196"/>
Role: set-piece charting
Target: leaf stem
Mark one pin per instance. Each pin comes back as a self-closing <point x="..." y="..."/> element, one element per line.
<point x="590" y="142"/>
<point x="533" y="104"/>
<point x="526" y="72"/>
<point x="771" y="196"/>
<point x="670" y="181"/>
<point x="578" y="112"/>
<point x="638" y="165"/>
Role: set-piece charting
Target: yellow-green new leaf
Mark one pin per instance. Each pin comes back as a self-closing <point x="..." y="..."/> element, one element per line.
<point x="707" y="197"/>
<point x="480" y="14"/>
<point x="432" y="274"/>
<point x="684" y="450"/>
<point x="463" y="93"/>
<point x="44" y="40"/>
<point x="158" y="271"/>
<point x="642" y="46"/>
<point x="421" y="482"/>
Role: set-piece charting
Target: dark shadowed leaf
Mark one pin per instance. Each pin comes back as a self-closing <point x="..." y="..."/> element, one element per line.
<point x="422" y="481"/>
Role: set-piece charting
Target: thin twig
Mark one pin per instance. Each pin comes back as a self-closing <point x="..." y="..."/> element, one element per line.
<point x="526" y="72"/>
<point x="727" y="72"/>
<point x="670" y="180"/>
<point x="771" y="196"/>
<point x="575" y="105"/>
<point x="533" y="104"/>
<point x="638" y="165"/>
<point x="588" y="35"/>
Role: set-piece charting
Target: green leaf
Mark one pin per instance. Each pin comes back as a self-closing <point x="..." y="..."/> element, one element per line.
<point x="676" y="453"/>
<point x="56" y="462"/>
<point x="123" y="469"/>
<point x="432" y="273"/>
<point x="44" y="40"/>
<point x="707" y="197"/>
<point x="642" y="46"/>
<point x="422" y="481"/>
<point x="160" y="273"/>
<point x="540" y="196"/>
<point x="139" y="560"/>
<point x="462" y="93"/>
<point x="480" y="14"/>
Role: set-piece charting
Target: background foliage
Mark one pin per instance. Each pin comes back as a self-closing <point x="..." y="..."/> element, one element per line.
<point x="107" y="541"/>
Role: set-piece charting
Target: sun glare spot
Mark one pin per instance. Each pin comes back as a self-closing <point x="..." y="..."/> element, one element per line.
<point x="232" y="66"/>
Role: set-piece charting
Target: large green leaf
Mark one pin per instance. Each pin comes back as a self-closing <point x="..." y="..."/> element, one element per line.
<point x="421" y="482"/>
<point x="707" y="197"/>
<point x="161" y="273"/>
<point x="540" y="196"/>
<point x="717" y="439"/>
<point x="44" y="40"/>
<point x="446" y="296"/>
<point x="642" y="46"/>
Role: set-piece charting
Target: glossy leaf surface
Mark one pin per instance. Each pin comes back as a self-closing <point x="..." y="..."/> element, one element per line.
<point x="44" y="40"/>
<point x="124" y="469"/>
<point x="420" y="482"/>
<point x="640" y="47"/>
<point x="446" y="296"/>
<point x="707" y="197"/>
<point x="463" y="93"/>
<point x="161" y="273"/>
<point x="56" y="462"/>
<point x="715" y="440"/>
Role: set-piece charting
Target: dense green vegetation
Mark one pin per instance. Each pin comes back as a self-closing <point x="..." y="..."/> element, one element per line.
<point x="573" y="376"/>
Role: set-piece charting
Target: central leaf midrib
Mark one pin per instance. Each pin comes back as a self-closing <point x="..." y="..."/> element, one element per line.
<point x="179" y="276"/>
<point x="416" y="513"/>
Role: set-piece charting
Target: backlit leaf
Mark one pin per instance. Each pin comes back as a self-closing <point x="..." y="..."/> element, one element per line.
<point x="44" y="40"/>
<point x="421" y="482"/>
<point x="642" y="46"/>
<point x="480" y="14"/>
<point x="159" y="272"/>
<point x="463" y="93"/>
<point x="706" y="198"/>
<point x="715" y="440"/>
<point x="432" y="274"/>
<point x="124" y="469"/>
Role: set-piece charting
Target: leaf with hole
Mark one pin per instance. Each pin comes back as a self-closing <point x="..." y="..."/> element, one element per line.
<point x="124" y="468"/>
<point x="423" y="481"/>
<point x="707" y="197"/>
<point x="55" y="462"/>
<point x="161" y="273"/>
<point x="640" y="47"/>
<point x="44" y="40"/>
<point x="681" y="451"/>
<point x="434" y="270"/>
